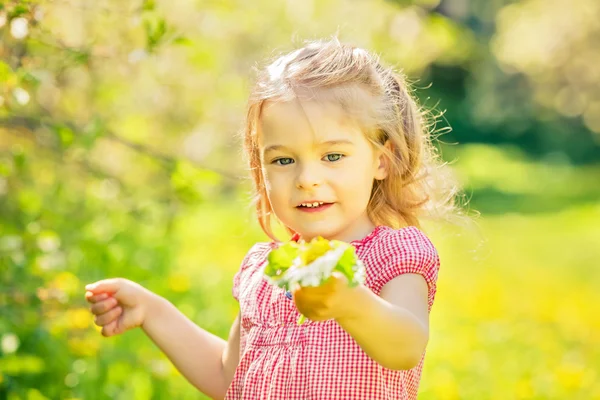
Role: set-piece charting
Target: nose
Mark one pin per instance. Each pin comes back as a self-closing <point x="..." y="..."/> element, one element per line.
<point x="309" y="176"/>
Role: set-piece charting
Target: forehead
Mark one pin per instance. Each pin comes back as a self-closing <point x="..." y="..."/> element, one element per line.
<point x="297" y="123"/>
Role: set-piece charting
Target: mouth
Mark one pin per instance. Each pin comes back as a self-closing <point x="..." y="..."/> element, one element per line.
<point x="313" y="206"/>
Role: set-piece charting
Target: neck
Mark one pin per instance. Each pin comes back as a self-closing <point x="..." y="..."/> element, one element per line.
<point x="356" y="231"/>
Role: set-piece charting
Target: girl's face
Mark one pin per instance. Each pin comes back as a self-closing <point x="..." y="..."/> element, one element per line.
<point x="312" y="154"/>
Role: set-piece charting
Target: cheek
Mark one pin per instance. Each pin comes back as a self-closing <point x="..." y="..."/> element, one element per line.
<point x="353" y="179"/>
<point x="276" y="187"/>
<point x="356" y="185"/>
<point x="272" y="179"/>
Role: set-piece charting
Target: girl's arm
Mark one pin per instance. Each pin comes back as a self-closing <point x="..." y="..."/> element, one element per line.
<point x="393" y="328"/>
<point x="207" y="361"/>
<point x="231" y="355"/>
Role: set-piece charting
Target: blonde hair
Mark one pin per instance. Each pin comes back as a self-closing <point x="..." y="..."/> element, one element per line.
<point x="418" y="184"/>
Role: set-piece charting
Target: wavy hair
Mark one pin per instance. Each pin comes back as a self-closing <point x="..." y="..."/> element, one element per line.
<point x="418" y="185"/>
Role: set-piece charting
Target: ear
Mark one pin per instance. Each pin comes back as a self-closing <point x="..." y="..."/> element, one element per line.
<point x="383" y="162"/>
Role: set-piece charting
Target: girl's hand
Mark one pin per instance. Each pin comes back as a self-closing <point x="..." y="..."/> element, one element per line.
<point x="118" y="304"/>
<point x="324" y="302"/>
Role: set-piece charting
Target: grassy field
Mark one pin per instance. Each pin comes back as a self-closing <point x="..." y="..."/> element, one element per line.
<point x="515" y="313"/>
<point x="518" y="318"/>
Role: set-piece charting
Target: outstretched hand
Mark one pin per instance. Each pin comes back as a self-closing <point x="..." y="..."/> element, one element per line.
<point x="327" y="301"/>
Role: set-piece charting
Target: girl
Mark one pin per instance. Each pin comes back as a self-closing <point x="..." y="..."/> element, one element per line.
<point x="337" y="148"/>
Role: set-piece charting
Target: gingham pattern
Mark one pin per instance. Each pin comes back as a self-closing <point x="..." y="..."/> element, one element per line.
<point x="280" y="360"/>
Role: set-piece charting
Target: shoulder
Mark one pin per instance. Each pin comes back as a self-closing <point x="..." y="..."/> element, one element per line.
<point x="400" y="251"/>
<point x="250" y="264"/>
<point x="257" y="253"/>
<point x="410" y="242"/>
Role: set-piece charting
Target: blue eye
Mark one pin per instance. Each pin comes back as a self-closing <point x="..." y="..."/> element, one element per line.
<point x="334" y="157"/>
<point x="283" y="161"/>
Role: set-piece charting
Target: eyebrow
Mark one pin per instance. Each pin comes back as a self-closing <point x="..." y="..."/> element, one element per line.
<point x="326" y="143"/>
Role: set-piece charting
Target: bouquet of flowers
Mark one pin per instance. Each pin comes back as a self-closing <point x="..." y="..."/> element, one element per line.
<point x="311" y="264"/>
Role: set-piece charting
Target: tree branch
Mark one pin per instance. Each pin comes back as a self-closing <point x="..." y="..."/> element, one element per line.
<point x="31" y="123"/>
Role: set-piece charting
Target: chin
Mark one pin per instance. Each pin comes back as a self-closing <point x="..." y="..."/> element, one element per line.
<point x="313" y="232"/>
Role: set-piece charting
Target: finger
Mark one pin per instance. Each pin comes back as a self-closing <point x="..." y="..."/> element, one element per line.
<point x="308" y="294"/>
<point x="108" y="316"/>
<point x="110" y="329"/>
<point x="94" y="298"/>
<point x="106" y="285"/>
<point x="339" y="276"/>
<point x="103" y="306"/>
<point x="297" y="294"/>
<point x="312" y="291"/>
<point x="318" y="317"/>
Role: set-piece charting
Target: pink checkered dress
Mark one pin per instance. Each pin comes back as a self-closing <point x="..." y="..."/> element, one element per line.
<point x="319" y="360"/>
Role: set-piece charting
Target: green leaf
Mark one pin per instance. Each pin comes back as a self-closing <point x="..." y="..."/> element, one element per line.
<point x="155" y="28"/>
<point x="6" y="72"/>
<point x="65" y="134"/>
<point x="30" y="202"/>
<point x="149" y="5"/>
<point x="6" y="167"/>
<point x="26" y="77"/>
<point x="347" y="263"/>
<point x="22" y="364"/>
<point x="19" y="158"/>
<point x="280" y="259"/>
<point x="182" y="41"/>
<point x="18" y="11"/>
<point x="80" y="56"/>
<point x="91" y="132"/>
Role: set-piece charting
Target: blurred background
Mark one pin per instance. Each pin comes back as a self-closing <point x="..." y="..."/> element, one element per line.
<point x="119" y="156"/>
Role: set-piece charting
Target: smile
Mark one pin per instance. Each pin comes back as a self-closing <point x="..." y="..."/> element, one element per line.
<point x="311" y="205"/>
<point x="314" y="207"/>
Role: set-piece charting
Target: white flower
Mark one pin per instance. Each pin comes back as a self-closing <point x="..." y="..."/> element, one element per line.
<point x="19" y="28"/>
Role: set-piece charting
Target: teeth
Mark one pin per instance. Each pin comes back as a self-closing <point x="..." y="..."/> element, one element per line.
<point x="312" y="205"/>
